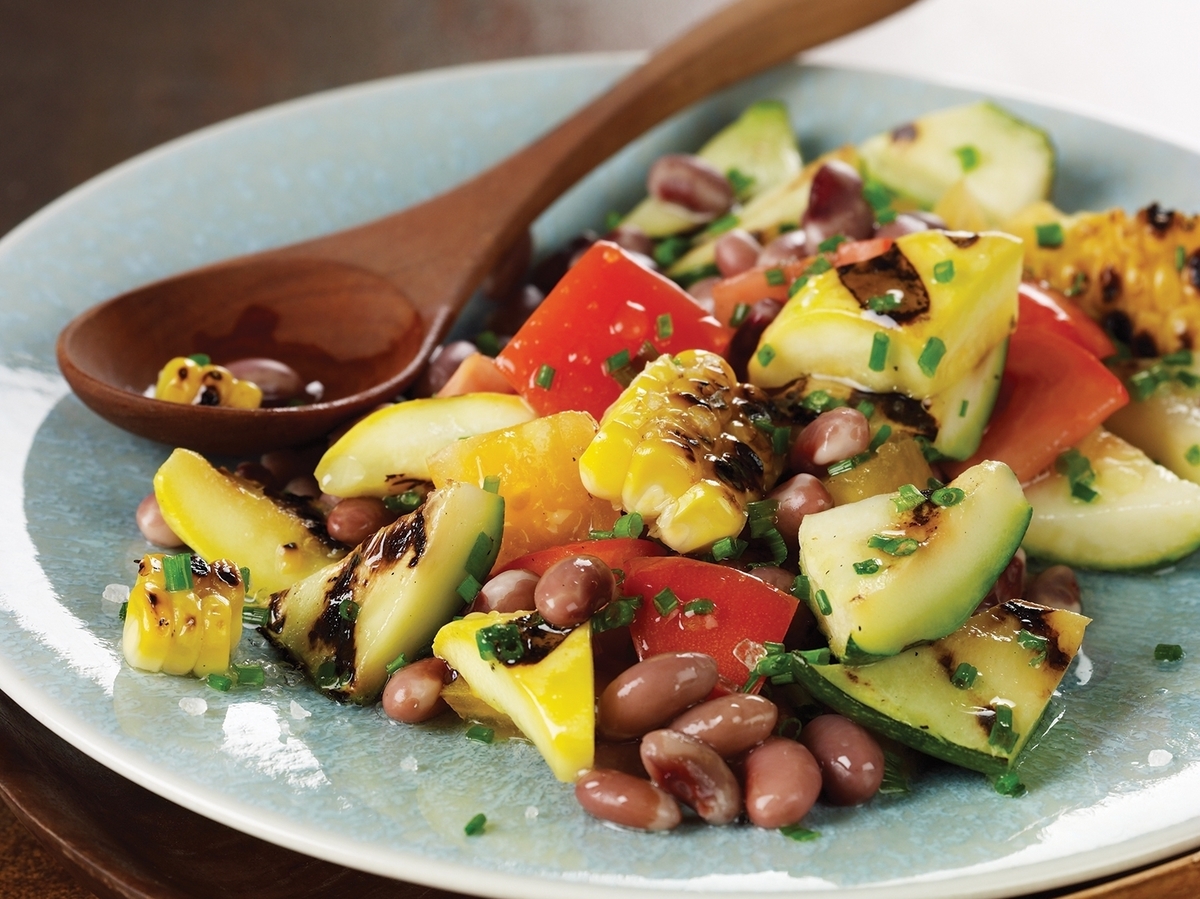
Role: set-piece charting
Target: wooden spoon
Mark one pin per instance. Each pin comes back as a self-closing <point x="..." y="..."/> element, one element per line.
<point x="361" y="310"/>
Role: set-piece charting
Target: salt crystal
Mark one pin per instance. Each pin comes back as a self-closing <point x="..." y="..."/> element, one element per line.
<point x="193" y="705"/>
<point x="408" y="763"/>
<point x="531" y="813"/>
<point x="1158" y="758"/>
<point x="299" y="712"/>
<point x="116" y="593"/>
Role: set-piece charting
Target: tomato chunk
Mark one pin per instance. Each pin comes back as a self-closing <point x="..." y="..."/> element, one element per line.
<point x="604" y="311"/>
<point x="1048" y="310"/>
<point x="615" y="551"/>
<point x="745" y="613"/>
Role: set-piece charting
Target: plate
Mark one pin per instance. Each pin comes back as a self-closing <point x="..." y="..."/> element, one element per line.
<point x="348" y="786"/>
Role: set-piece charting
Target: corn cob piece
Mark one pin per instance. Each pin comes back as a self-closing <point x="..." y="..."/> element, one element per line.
<point x="186" y="623"/>
<point x="184" y="380"/>
<point x="1139" y="275"/>
<point x="687" y="447"/>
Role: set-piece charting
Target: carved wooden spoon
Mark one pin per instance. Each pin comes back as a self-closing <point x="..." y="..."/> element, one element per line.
<point x="362" y="309"/>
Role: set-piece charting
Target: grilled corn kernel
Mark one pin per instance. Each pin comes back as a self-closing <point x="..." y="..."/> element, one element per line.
<point x="184" y="380"/>
<point x="687" y="447"/>
<point x="193" y="630"/>
<point x="1144" y="267"/>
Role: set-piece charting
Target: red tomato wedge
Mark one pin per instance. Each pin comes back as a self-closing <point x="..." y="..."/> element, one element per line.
<point x="745" y="612"/>
<point x="1048" y="310"/>
<point x="1053" y="394"/>
<point x="853" y="251"/>
<point x="615" y="551"/>
<point x="606" y="307"/>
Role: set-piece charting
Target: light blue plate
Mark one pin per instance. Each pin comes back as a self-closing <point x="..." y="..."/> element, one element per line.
<point x="349" y="786"/>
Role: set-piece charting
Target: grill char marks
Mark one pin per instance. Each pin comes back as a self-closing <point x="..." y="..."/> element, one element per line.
<point x="888" y="272"/>
<point x="1033" y="619"/>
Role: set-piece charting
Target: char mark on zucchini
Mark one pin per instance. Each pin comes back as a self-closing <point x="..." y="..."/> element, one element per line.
<point x="888" y="272"/>
<point x="1033" y="619"/>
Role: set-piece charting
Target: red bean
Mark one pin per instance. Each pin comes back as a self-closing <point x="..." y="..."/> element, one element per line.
<point x="442" y="364"/>
<point x="278" y="381"/>
<point x="654" y="691"/>
<point x="572" y="589"/>
<point x="690" y="182"/>
<point x="355" y="519"/>
<point x="831" y="437"/>
<point x="152" y="525"/>
<point x="632" y="239"/>
<point x="509" y="591"/>
<point x="729" y="724"/>
<point x="850" y="759"/>
<point x="836" y="205"/>
<point x="289" y="463"/>
<point x="702" y="292"/>
<point x="783" y="781"/>
<point x="790" y="246"/>
<point x="798" y="496"/>
<point x="745" y="339"/>
<point x="904" y="223"/>
<point x="779" y="578"/>
<point x="626" y="800"/>
<point x="414" y="693"/>
<point x="735" y="252"/>
<point x="693" y="773"/>
<point x="1056" y="587"/>
<point x="304" y="485"/>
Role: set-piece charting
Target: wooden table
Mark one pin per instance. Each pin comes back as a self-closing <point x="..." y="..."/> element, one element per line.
<point x="85" y="84"/>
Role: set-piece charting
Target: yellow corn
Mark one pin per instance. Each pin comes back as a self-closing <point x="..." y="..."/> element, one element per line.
<point x="681" y="448"/>
<point x="1146" y="266"/>
<point x="184" y="380"/>
<point x="189" y="631"/>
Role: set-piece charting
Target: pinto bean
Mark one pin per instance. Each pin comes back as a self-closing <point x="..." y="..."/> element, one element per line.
<point x="783" y="781"/>
<point x="693" y="773"/>
<point x="304" y="485"/>
<point x="278" y="381"/>
<point x="729" y="724"/>
<point x="414" y="693"/>
<point x="626" y="800"/>
<point x="654" y="691"/>
<point x="152" y="525"/>
<point x="572" y="589"/>
<point x="831" y="437"/>
<point x="850" y="759"/>
<point x="1056" y="587"/>
<point x="690" y="182"/>
<point x="798" y="496"/>
<point x="509" y="591"/>
<point x="735" y="252"/>
<point x="355" y="519"/>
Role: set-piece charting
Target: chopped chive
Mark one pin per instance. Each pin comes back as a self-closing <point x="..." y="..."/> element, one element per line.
<point x="1035" y="643"/>
<point x="765" y="354"/>
<point x="664" y="327"/>
<point x="815" y="656"/>
<point x="893" y="546"/>
<point x="630" y="525"/>
<point x="947" y="496"/>
<point x="964" y="676"/>
<point x="201" y="358"/>
<point x="779" y="440"/>
<point x="801" y="588"/>
<point x="488" y="343"/>
<point x="908" y="497"/>
<point x="327" y="675"/>
<point x="1168" y="652"/>
<point x="468" y="589"/>
<point x="894" y="780"/>
<point x="348" y="610"/>
<point x="943" y="272"/>
<point x="799" y="834"/>
<point x="818" y="401"/>
<point x="249" y="675"/>
<point x="928" y="450"/>
<point x="1180" y="258"/>
<point x="880" y="438"/>
<point x="739" y="181"/>
<point x="775" y="277"/>
<point x="933" y="484"/>
<point x="1009" y="785"/>
<point x="1049" y="235"/>
<point x="617" y="613"/>
<point x="879" y="349"/>
<point x="819" y="266"/>
<point x="477" y="559"/>
<point x="928" y="361"/>
<point x="842" y="467"/>
<point x="475" y="826"/>
<point x="762" y="510"/>
<point x="666" y="601"/>
<point x="727" y="222"/>
<point x="883" y="303"/>
<point x="124" y="611"/>
<point x="256" y="616"/>
<point x="728" y="548"/>
<point x="1143" y="383"/>
<point x="867" y="566"/>
<point x="500" y="642"/>
<point x="688" y="278"/>
<point x="776" y="545"/>
<point x="867" y="408"/>
<point x="545" y="376"/>
<point x="612" y="219"/>
<point x="1193" y="454"/>
<point x="796" y="286"/>
<point x="878" y="195"/>
<point x="699" y="607"/>
<point x="245" y="573"/>
<point x="492" y="483"/>
<point x="480" y="734"/>
<point x="1078" y="284"/>
<point x="1002" y="734"/>
<point x="968" y="156"/>
<point x="962" y="409"/>
<point x="885" y="216"/>
<point x="785" y="227"/>
<point x="668" y="252"/>
<point x="821" y="598"/>
<point x="396" y="664"/>
<point x="219" y="682"/>
<point x="1077" y="469"/>
<point x="740" y="312"/>
<point x="617" y="361"/>
<point x="1179" y="357"/>
<point x="177" y="572"/>
<point x="1187" y="379"/>
<point x="829" y="244"/>
<point x="403" y="502"/>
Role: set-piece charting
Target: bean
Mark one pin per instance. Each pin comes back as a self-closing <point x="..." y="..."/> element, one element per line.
<point x="745" y="339"/>
<point x="798" y="496"/>
<point x="442" y="364"/>
<point x="278" y="381"/>
<point x="414" y="693"/>
<point x="779" y="578"/>
<point x="632" y="239"/>
<point x="690" y="182"/>
<point x="791" y="246"/>
<point x="574" y="588"/>
<point x="850" y="759"/>
<point x="729" y="724"/>
<point x="836" y="205"/>
<point x="831" y="437"/>
<point x="735" y="252"/>
<point x="693" y="773"/>
<point x="152" y="525"/>
<point x="626" y="800"/>
<point x="509" y="591"/>
<point x="1009" y="585"/>
<point x="904" y="223"/>
<point x="654" y="691"/>
<point x="702" y="292"/>
<point x="304" y="485"/>
<point x="355" y="519"/>
<point x="1056" y="587"/>
<point x="254" y="471"/>
<point x="782" y="780"/>
<point x="289" y="463"/>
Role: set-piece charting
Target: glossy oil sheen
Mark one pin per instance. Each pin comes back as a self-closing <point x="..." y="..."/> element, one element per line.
<point x="310" y="775"/>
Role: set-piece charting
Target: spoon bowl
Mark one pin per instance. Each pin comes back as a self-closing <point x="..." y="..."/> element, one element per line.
<point x="362" y="310"/>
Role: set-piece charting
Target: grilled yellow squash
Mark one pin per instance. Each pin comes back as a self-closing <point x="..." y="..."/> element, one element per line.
<point x="184" y="380"/>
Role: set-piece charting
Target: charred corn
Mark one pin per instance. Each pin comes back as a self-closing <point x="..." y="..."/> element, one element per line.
<point x="184" y="615"/>
<point x="184" y="380"/>
<point x="1138" y="275"/>
<point x="687" y="447"/>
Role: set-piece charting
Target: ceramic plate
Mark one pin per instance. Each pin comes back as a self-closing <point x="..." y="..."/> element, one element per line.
<point x="1111" y="786"/>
